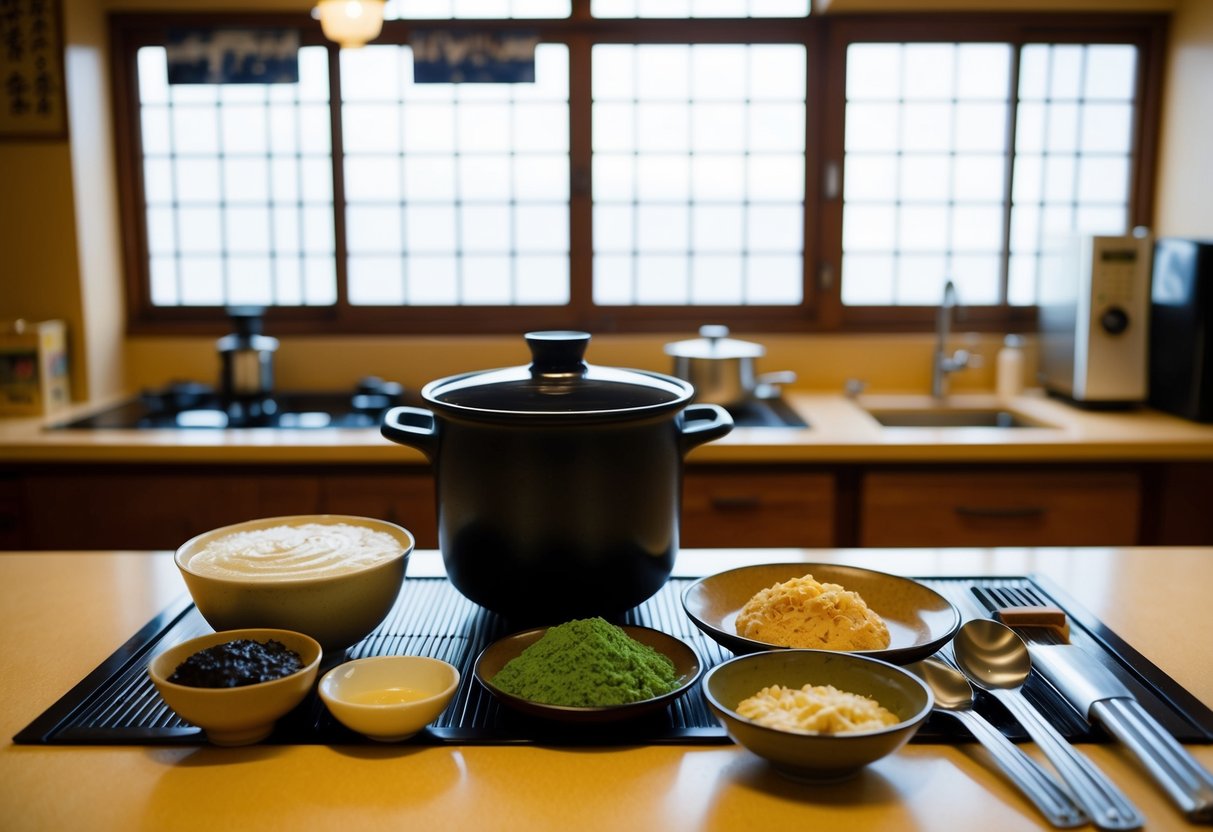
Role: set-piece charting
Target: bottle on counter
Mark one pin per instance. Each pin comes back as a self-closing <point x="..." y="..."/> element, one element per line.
<point x="1010" y="367"/>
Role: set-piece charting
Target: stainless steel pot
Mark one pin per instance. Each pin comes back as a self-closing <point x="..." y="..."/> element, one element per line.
<point x="558" y="483"/>
<point x="247" y="356"/>
<point x="721" y="369"/>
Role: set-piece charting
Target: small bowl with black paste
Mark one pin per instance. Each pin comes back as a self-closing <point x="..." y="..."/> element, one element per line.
<point x="236" y="684"/>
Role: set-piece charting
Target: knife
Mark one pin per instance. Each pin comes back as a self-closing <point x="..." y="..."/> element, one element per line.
<point x="1101" y="697"/>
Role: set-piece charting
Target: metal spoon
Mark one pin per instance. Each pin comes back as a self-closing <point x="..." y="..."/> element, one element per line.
<point x="954" y="696"/>
<point x="995" y="658"/>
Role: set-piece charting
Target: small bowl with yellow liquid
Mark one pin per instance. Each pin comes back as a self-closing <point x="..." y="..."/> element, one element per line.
<point x="389" y="698"/>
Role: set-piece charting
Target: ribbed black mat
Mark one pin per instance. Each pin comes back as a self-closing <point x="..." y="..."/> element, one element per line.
<point x="117" y="703"/>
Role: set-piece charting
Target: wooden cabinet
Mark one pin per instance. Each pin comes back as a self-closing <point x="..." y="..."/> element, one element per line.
<point x="750" y="506"/>
<point x="1000" y="506"/>
<point x="406" y="499"/>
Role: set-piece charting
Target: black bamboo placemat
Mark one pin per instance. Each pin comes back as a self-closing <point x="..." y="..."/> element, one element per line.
<point x="117" y="703"/>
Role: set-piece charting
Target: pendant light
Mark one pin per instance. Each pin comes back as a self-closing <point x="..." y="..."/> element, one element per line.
<point x="350" y="23"/>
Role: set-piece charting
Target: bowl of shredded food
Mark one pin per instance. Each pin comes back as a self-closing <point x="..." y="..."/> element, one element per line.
<point x="821" y="606"/>
<point x="817" y="715"/>
<point x="588" y="670"/>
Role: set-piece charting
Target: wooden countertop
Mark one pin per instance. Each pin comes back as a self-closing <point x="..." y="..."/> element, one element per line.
<point x="62" y="613"/>
<point x="839" y="431"/>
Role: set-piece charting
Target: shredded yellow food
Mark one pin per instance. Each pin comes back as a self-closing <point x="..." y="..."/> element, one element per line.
<point x="820" y="709"/>
<point x="804" y="612"/>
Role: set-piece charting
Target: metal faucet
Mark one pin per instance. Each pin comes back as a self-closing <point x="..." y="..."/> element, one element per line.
<point x="943" y="364"/>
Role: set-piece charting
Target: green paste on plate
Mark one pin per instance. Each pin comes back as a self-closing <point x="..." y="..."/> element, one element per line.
<point x="587" y="663"/>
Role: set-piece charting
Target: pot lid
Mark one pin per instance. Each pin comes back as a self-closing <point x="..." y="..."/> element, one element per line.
<point x="714" y="342"/>
<point x="558" y="383"/>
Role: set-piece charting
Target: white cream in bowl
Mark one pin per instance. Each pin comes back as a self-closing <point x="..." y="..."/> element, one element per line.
<point x="307" y="550"/>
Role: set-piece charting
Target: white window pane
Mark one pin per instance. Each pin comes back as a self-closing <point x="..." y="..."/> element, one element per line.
<point x="316" y="180"/>
<point x="922" y="228"/>
<point x="614" y="177"/>
<point x="662" y="279"/>
<point x="983" y="70"/>
<point x="314" y="130"/>
<point x="373" y="229"/>
<point x="244" y="130"/>
<point x="551" y="75"/>
<point x="161" y="232"/>
<point x="1030" y="128"/>
<point x="778" y="127"/>
<point x="542" y="280"/>
<point x="485" y="177"/>
<point x="717" y="280"/>
<point x="284" y="180"/>
<point x="1025" y="229"/>
<point x="872" y="127"/>
<point x="288" y="281"/>
<point x="195" y="130"/>
<point x="154" y="131"/>
<point x="431" y="281"/>
<point x="926" y="127"/>
<point x="370" y="74"/>
<point x="1055" y="220"/>
<point x="541" y="178"/>
<point x="372" y="178"/>
<point x="1101" y="220"/>
<point x="613" y="280"/>
<point x="250" y="281"/>
<point x="663" y="176"/>
<point x="541" y="127"/>
<point x="777" y="72"/>
<point x="1028" y="183"/>
<point x="978" y="178"/>
<point x="485" y="228"/>
<point x="614" y="127"/>
<point x="246" y="180"/>
<point x="867" y="279"/>
<point x="775" y="279"/>
<point x="286" y="222"/>
<point x="1111" y="71"/>
<point x="929" y="70"/>
<point x="313" y="73"/>
<point x="1059" y="178"/>
<point x="873" y="71"/>
<point x="614" y="228"/>
<point x="717" y="228"/>
<point x="925" y="178"/>
<point x="868" y="227"/>
<point x="247" y="229"/>
<point x="152" y="62"/>
<point x="773" y="228"/>
<point x="920" y="279"/>
<point x="1034" y="72"/>
<point x="663" y="72"/>
<point x="719" y="128"/>
<point x="486" y="280"/>
<point x="200" y="230"/>
<point x="317" y="229"/>
<point x="1062" y="133"/>
<point x="718" y="8"/>
<point x="1103" y="179"/>
<point x="775" y="177"/>
<point x="1107" y="128"/>
<point x="283" y="130"/>
<point x="430" y="228"/>
<point x="428" y="127"/>
<point x="164" y="281"/>
<point x="157" y="181"/>
<point x="319" y="281"/>
<point x="1066" y="66"/>
<point x="981" y="127"/>
<point x="976" y="228"/>
<point x="1021" y="280"/>
<point x="663" y="127"/>
<point x="718" y="72"/>
<point x="613" y="72"/>
<point x="429" y="178"/>
<point x="201" y="281"/>
<point x="870" y="177"/>
<point x="976" y="278"/>
<point x="375" y="281"/>
<point x="541" y="228"/>
<point x="718" y="178"/>
<point x="662" y="228"/>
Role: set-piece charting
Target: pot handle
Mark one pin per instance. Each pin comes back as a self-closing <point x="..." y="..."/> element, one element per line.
<point x="413" y="427"/>
<point x="700" y="423"/>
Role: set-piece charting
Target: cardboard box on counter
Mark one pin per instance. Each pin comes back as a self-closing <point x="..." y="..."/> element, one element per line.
<point x="34" y="378"/>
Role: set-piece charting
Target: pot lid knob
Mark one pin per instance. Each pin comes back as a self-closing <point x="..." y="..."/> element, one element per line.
<point x="558" y="352"/>
<point x="714" y="332"/>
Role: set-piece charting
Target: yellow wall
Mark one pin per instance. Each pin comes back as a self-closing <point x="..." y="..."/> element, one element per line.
<point x="61" y="249"/>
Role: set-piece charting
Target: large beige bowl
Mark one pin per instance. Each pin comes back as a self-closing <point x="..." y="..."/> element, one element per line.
<point x="336" y="610"/>
<point x="240" y="715"/>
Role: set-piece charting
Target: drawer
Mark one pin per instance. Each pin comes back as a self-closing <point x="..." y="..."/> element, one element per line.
<point x="1000" y="507"/>
<point x="748" y="508"/>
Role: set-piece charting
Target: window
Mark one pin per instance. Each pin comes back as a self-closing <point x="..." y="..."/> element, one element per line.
<point x="747" y="163"/>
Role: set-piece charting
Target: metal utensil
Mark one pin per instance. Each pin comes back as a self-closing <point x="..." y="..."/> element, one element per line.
<point x="1099" y="695"/>
<point x="954" y="697"/>
<point x="995" y="658"/>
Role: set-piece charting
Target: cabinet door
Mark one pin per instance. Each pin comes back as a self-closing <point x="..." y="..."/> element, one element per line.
<point x="153" y="508"/>
<point x="747" y="507"/>
<point x="1000" y="507"/>
<point x="406" y="499"/>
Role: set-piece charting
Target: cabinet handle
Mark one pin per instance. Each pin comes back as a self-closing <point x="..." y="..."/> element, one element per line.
<point x="1005" y="512"/>
<point x="742" y="503"/>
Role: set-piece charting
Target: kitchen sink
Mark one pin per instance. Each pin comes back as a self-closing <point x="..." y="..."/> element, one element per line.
<point x="954" y="418"/>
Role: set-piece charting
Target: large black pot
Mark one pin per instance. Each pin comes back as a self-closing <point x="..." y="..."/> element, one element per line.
<point x="558" y="484"/>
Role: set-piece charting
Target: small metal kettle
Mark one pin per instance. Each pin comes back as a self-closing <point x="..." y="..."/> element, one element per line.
<point x="247" y="356"/>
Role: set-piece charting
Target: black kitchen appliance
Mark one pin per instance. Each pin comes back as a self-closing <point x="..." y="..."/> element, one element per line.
<point x="1181" y="315"/>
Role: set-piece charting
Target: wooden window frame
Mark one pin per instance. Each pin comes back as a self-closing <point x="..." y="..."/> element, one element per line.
<point x="825" y="38"/>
